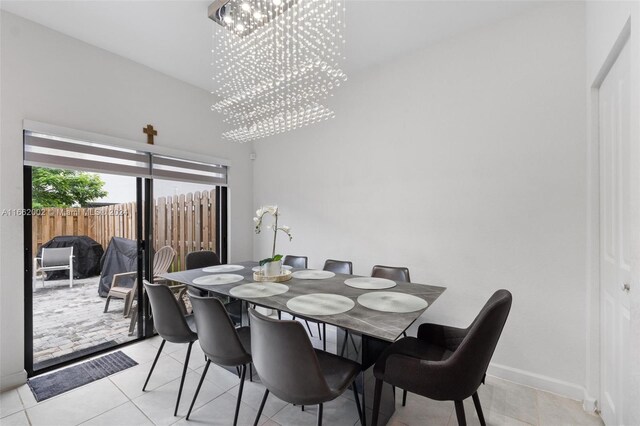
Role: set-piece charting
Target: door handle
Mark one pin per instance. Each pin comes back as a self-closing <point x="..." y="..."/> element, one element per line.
<point x="626" y="287"/>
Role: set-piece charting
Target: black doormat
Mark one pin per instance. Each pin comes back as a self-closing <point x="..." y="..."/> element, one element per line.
<point x="73" y="355"/>
<point x="50" y="385"/>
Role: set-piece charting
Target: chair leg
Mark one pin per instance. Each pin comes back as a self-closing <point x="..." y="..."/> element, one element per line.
<point x="250" y="372"/>
<point x="319" y="414"/>
<point x="134" y="320"/>
<point x="264" y="400"/>
<point x="377" y="393"/>
<point x="404" y="397"/>
<point x="184" y="374"/>
<point x="462" y="421"/>
<point x="154" y="364"/>
<point x="195" y="396"/>
<point x="106" y="305"/>
<point x="244" y="373"/>
<point x="320" y="335"/>
<point x="129" y="302"/>
<point x="476" y="402"/>
<point x="279" y="315"/>
<point x="125" y="310"/>
<point x="357" y="398"/>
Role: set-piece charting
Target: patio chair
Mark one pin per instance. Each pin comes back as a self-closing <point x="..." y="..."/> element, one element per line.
<point x="53" y="259"/>
<point x="119" y="290"/>
<point x="162" y="261"/>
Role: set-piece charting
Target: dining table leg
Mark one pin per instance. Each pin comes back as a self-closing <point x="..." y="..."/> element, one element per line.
<point x="324" y="337"/>
<point x="370" y="350"/>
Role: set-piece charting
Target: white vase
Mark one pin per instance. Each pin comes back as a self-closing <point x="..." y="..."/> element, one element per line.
<point x="272" y="269"/>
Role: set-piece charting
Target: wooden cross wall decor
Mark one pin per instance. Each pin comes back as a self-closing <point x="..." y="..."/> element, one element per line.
<point x="150" y="132"/>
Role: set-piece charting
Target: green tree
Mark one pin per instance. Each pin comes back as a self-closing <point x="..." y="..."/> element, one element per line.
<point x="65" y="188"/>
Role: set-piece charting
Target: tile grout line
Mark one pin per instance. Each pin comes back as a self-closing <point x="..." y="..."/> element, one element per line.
<point x="104" y="412"/>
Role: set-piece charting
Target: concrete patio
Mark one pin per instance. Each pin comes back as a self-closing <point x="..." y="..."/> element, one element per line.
<point x="68" y="320"/>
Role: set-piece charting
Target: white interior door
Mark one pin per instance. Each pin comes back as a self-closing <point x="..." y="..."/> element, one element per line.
<point x="616" y="255"/>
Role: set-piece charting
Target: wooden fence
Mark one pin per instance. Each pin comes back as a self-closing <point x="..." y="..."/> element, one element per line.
<point x="186" y="222"/>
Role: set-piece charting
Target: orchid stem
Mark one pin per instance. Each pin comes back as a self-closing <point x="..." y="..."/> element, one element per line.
<point x="275" y="235"/>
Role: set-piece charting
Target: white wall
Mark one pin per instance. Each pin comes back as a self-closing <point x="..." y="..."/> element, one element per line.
<point x="605" y="21"/>
<point x="52" y="78"/>
<point x="466" y="162"/>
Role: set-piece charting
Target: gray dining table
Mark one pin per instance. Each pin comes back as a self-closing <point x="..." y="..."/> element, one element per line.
<point x="371" y="330"/>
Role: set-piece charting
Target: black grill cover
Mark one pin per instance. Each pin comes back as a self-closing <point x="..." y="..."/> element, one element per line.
<point x="86" y="262"/>
<point x="121" y="256"/>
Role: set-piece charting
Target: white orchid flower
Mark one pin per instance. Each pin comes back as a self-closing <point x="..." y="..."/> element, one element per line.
<point x="272" y="209"/>
<point x="258" y="223"/>
<point x="286" y="230"/>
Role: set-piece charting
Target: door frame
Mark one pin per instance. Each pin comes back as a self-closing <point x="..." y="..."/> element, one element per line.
<point x="143" y="236"/>
<point x="143" y="257"/>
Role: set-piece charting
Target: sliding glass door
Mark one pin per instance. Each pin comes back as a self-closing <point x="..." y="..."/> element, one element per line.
<point x="101" y="219"/>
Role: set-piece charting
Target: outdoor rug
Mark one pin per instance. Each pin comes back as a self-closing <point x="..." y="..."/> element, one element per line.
<point x="50" y="385"/>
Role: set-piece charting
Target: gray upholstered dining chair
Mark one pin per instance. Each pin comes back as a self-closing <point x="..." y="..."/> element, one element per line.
<point x="445" y="363"/>
<point x="221" y="342"/>
<point x="201" y="259"/>
<point x="338" y="266"/>
<point x="293" y="370"/>
<point x="394" y="273"/>
<point x="172" y="325"/>
<point x="299" y="262"/>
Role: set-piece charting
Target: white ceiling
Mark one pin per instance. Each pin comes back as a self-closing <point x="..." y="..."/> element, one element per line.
<point x="174" y="37"/>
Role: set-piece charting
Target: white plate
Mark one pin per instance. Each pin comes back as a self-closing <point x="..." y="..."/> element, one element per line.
<point x="218" y="279"/>
<point x="256" y="290"/>
<point x="391" y="301"/>
<point x="313" y="274"/>
<point x="320" y="304"/>
<point x="370" y="283"/>
<point x="258" y="268"/>
<point x="223" y="268"/>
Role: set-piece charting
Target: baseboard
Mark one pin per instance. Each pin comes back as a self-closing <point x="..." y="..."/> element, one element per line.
<point x="589" y="403"/>
<point x="538" y="381"/>
<point x="13" y="380"/>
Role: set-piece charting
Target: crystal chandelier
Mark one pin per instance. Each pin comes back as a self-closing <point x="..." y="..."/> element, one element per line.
<point x="276" y="61"/>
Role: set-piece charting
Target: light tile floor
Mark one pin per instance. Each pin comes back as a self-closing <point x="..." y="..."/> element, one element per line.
<point x="119" y="401"/>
